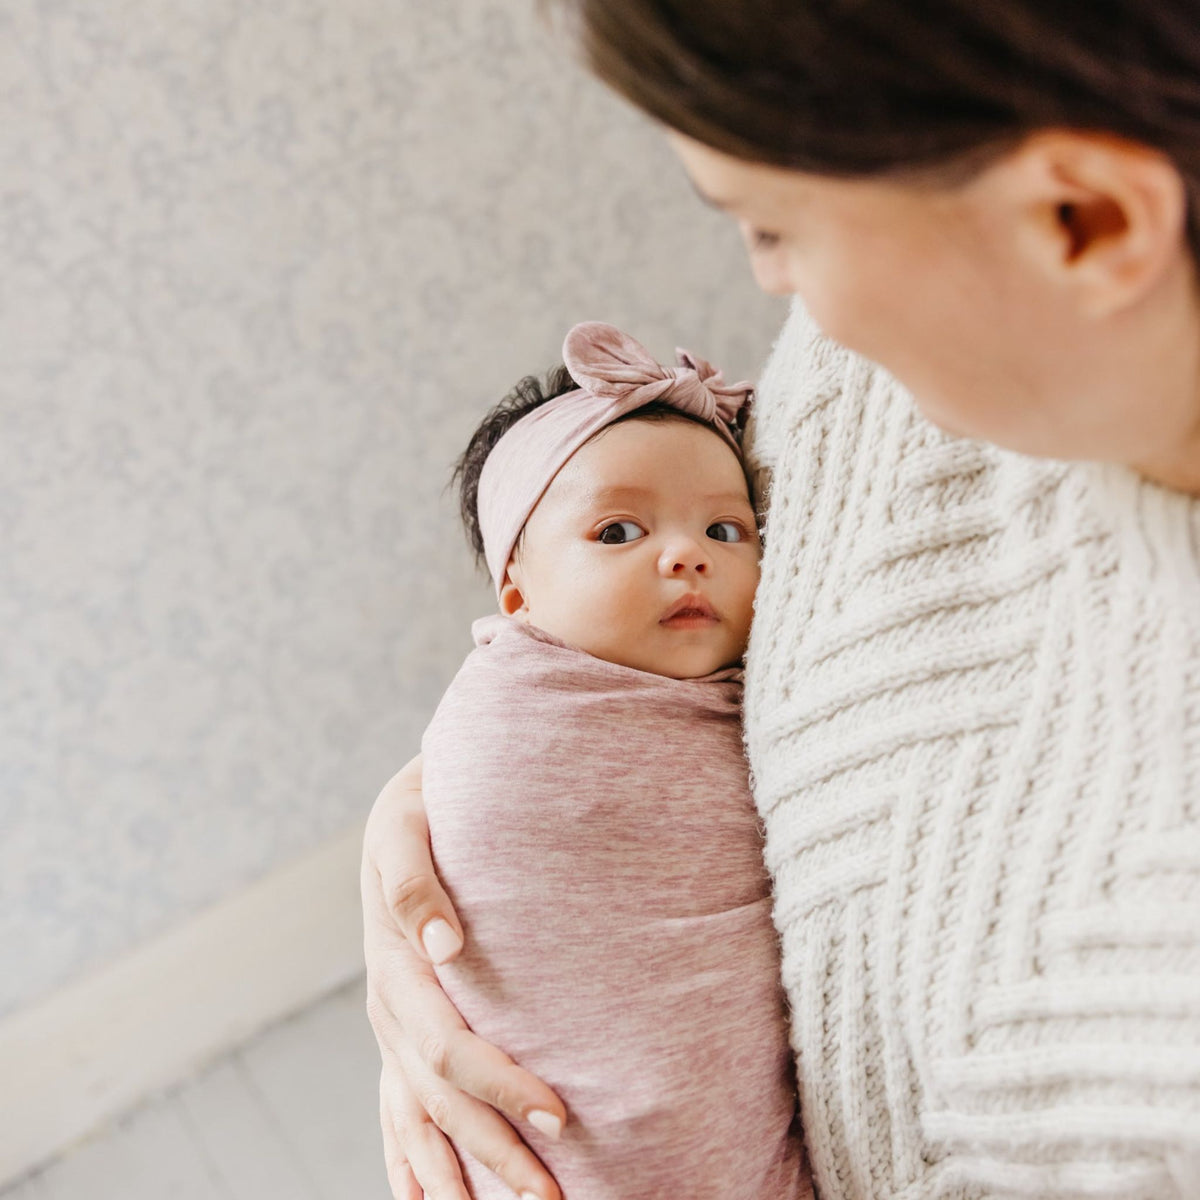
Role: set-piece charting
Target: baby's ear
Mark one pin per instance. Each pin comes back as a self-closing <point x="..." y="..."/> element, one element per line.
<point x="512" y="601"/>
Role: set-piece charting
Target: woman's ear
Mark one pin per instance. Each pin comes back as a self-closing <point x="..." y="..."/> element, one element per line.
<point x="1103" y="217"/>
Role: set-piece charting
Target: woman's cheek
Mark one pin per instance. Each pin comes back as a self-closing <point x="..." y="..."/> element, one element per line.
<point x="773" y="273"/>
<point x="849" y="312"/>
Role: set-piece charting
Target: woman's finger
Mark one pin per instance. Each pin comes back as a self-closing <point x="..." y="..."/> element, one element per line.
<point x="401" y="1179"/>
<point x="428" y="1158"/>
<point x="486" y="1073"/>
<point x="425" y="1162"/>
<point x="432" y="1039"/>
<point x="398" y="864"/>
<point x="429" y="1113"/>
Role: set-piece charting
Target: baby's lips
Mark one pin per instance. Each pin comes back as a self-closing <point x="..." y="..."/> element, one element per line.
<point x="693" y="605"/>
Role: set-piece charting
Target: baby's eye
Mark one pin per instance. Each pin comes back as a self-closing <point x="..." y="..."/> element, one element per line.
<point x="620" y="532"/>
<point x="725" y="531"/>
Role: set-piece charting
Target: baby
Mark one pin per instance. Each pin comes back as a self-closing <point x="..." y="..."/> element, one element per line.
<point x="586" y="763"/>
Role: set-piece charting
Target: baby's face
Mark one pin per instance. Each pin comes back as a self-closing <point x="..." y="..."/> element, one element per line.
<point x="643" y="551"/>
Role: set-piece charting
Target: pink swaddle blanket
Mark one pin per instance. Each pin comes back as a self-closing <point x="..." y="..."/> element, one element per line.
<point x="594" y="828"/>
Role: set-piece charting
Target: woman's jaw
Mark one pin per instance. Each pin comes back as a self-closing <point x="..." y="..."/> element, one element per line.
<point x="1049" y="303"/>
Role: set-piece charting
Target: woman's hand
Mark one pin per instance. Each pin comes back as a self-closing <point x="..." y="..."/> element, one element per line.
<point x="439" y="1080"/>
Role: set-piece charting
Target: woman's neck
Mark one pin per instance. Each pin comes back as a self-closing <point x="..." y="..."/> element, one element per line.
<point x="1177" y="465"/>
<point x="1171" y="376"/>
<point x="1179" y="471"/>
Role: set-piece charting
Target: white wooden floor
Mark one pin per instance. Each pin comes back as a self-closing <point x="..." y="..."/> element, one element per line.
<point x="291" y="1116"/>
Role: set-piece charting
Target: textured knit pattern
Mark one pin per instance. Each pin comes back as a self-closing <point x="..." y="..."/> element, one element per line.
<point x="973" y="717"/>
<point x="594" y="827"/>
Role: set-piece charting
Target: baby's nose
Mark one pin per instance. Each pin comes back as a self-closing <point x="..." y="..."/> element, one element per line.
<point x="680" y="558"/>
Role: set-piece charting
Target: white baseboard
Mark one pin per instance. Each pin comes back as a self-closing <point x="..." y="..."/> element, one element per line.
<point x="93" y="1050"/>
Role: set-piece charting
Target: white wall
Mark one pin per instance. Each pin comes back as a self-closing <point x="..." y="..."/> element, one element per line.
<point x="262" y="266"/>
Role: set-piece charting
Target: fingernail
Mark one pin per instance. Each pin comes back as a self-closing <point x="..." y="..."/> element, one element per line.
<point x="440" y="940"/>
<point x="529" y="1196"/>
<point x="545" y="1122"/>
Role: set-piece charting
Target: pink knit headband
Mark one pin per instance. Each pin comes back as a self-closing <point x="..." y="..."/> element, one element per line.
<point x="616" y="376"/>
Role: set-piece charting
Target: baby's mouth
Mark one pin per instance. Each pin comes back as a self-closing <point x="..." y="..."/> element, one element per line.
<point x="688" y="612"/>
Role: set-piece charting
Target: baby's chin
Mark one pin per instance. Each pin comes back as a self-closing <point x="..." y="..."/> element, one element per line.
<point x="679" y="656"/>
<point x="691" y="662"/>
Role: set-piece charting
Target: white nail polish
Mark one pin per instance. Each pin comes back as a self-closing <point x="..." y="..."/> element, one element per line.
<point x="545" y="1122"/>
<point x="439" y="939"/>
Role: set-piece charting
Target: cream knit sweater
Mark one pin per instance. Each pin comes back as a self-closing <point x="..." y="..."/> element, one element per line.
<point x="973" y="718"/>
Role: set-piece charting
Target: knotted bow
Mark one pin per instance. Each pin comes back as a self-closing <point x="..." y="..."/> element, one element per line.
<point x="616" y="376"/>
<point x="608" y="363"/>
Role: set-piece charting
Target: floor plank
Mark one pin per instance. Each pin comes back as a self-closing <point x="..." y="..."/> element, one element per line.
<point x="153" y="1153"/>
<point x="28" y="1189"/>
<point x="241" y="1137"/>
<point x="291" y="1116"/>
<point x="319" y="1076"/>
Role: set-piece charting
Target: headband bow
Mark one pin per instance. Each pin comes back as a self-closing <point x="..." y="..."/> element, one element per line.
<point x="608" y="363"/>
<point x="616" y="376"/>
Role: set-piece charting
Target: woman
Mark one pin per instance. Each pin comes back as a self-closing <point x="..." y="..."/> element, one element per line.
<point x="973" y="686"/>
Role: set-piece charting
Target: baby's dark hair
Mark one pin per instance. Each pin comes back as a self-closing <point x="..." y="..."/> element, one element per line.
<point x="528" y="394"/>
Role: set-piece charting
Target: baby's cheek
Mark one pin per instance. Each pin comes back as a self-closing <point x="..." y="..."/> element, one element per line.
<point x="742" y="631"/>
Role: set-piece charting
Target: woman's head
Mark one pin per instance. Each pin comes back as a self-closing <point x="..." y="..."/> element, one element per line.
<point x="995" y="199"/>
<point x="869" y="87"/>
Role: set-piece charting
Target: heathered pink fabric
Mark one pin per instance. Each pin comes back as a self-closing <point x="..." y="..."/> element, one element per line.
<point x="594" y="827"/>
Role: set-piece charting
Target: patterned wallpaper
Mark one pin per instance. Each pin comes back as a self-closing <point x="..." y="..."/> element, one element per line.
<point x="262" y="265"/>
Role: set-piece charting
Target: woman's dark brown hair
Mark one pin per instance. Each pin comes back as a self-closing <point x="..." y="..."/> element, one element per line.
<point x="859" y="87"/>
